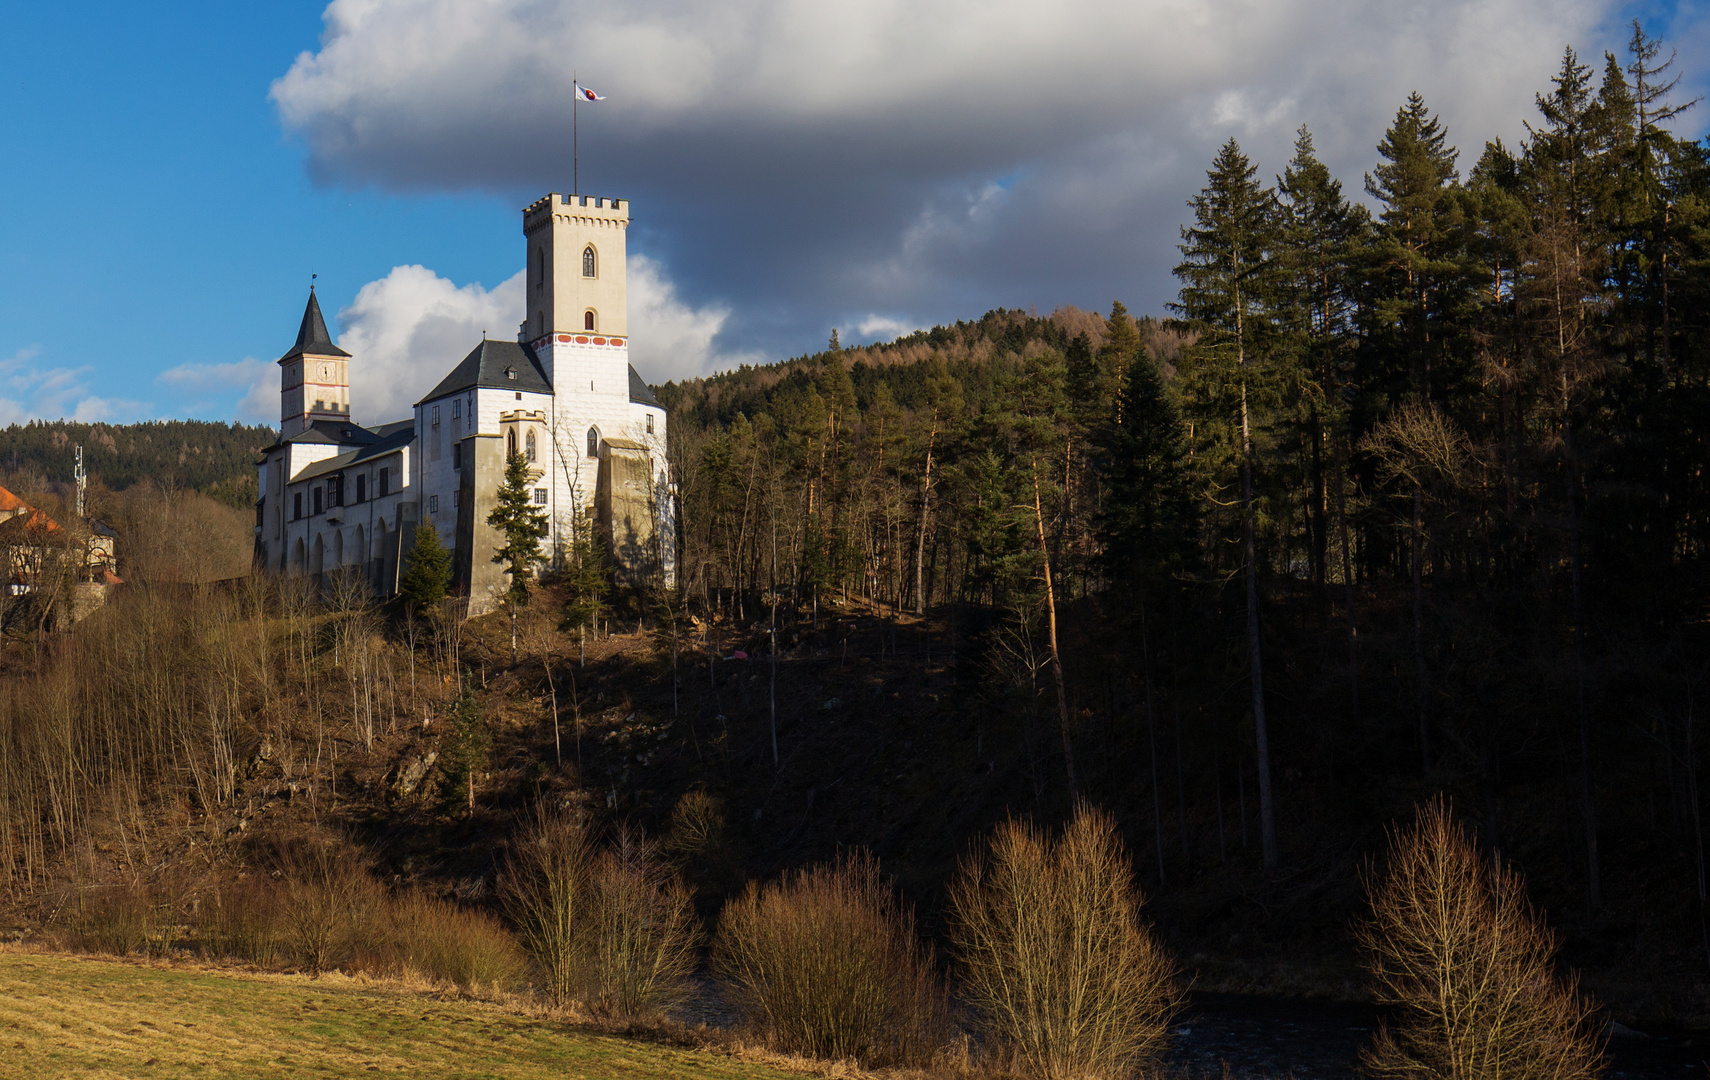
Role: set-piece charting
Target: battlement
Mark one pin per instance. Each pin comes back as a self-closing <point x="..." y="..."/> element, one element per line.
<point x="583" y="209"/>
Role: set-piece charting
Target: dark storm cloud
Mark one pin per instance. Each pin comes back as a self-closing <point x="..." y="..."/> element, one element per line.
<point x="805" y="165"/>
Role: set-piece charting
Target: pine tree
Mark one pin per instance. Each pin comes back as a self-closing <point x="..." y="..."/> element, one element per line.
<point x="427" y="571"/>
<point x="1229" y="290"/>
<point x="1146" y="531"/>
<point x="524" y="527"/>
<point x="1418" y="244"/>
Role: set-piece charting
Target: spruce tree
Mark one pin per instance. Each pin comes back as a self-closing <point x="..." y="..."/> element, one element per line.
<point x="524" y="527"/>
<point x="427" y="571"/>
<point x="1146" y="530"/>
<point x="1229" y="291"/>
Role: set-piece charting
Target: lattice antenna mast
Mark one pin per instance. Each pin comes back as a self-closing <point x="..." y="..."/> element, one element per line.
<point x="78" y="474"/>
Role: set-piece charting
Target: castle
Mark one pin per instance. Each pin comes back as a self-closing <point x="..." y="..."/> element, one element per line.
<point x="340" y="498"/>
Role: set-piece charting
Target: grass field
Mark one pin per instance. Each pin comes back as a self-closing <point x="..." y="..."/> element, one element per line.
<point x="90" y="1017"/>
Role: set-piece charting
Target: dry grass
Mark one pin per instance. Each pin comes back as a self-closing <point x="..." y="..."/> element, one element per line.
<point x="1468" y="966"/>
<point x="62" y="1016"/>
<point x="826" y="962"/>
<point x="1064" y="978"/>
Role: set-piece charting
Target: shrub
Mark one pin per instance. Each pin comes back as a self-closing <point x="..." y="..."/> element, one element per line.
<point x="1064" y="978"/>
<point x="547" y="893"/>
<point x="612" y="927"/>
<point x="826" y="962"/>
<point x="242" y="920"/>
<point x="423" y="935"/>
<point x="1466" y="963"/>
<point x="326" y="898"/>
<point x="642" y="933"/>
<point x="115" y="919"/>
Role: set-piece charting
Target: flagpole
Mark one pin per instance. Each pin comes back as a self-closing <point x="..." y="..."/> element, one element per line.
<point x="575" y="149"/>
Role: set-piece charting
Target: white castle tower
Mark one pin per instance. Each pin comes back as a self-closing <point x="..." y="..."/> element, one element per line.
<point x="563" y="395"/>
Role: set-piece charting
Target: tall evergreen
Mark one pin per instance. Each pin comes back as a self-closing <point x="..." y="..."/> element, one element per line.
<point x="1229" y="290"/>
<point x="523" y="526"/>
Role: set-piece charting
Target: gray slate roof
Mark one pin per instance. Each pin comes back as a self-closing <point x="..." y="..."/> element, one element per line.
<point x="639" y="391"/>
<point x="488" y="364"/>
<point x="312" y="336"/>
<point x="399" y="438"/>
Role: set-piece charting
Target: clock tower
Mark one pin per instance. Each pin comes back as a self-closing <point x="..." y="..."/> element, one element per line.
<point x="314" y="377"/>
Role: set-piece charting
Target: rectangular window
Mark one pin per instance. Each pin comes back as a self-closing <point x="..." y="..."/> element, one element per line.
<point x="436" y="416"/>
<point x="457" y="409"/>
<point x="457" y="498"/>
<point x="457" y="455"/>
<point x="317" y="500"/>
<point x="650" y="423"/>
<point x="361" y="487"/>
<point x="335" y="490"/>
<point x="385" y="481"/>
<point x="297" y="506"/>
<point x="540" y="496"/>
<point x="433" y="504"/>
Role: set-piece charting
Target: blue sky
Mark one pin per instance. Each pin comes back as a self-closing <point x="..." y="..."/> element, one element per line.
<point x="175" y="172"/>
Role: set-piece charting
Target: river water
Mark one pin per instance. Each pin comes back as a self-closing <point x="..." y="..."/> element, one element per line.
<point x="1263" y="1037"/>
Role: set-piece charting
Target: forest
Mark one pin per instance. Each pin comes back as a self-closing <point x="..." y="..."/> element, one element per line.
<point x="1405" y="494"/>
<point x="211" y="457"/>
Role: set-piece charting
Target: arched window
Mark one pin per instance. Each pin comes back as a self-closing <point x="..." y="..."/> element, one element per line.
<point x="593" y="442"/>
<point x="528" y="446"/>
<point x="587" y="320"/>
<point x="511" y="443"/>
<point x="588" y="261"/>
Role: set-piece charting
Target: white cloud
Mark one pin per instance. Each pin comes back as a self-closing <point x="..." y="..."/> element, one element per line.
<point x="668" y="338"/>
<point x="880" y="328"/>
<point x="929" y="159"/>
<point x="258" y="379"/>
<point x="407" y="330"/>
<point x="30" y="391"/>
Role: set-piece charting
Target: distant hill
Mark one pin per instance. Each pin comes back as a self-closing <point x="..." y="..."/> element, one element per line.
<point x="213" y="457"/>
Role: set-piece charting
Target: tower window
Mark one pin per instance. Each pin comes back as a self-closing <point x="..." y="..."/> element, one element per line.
<point x="528" y="446"/>
<point x="594" y="442"/>
<point x="588" y="261"/>
<point x="511" y="443"/>
<point x="587" y="320"/>
<point x="650" y="423"/>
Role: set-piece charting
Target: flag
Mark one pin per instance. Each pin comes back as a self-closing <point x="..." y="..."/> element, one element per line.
<point x="589" y="94"/>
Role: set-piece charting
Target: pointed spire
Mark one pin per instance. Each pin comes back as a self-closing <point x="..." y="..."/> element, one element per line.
<point x="312" y="336"/>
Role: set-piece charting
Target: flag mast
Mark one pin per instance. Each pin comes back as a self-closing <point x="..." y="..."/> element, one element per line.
<point x="575" y="148"/>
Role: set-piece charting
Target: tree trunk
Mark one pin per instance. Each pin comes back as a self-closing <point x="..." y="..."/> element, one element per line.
<point x="1051" y="637"/>
<point x="920" y="541"/>
<point x="1420" y="676"/>
<point x="1261" y="732"/>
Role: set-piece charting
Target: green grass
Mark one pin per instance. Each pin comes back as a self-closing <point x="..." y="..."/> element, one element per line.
<point x="83" y="1016"/>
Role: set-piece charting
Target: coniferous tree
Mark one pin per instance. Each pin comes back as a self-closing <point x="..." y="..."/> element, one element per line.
<point x="1147" y="530"/>
<point x="524" y="526"/>
<point x="1229" y="290"/>
<point x="1321" y="235"/>
<point x="427" y="571"/>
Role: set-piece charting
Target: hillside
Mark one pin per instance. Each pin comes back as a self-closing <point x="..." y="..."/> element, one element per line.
<point x="73" y="1015"/>
<point x="211" y="457"/>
